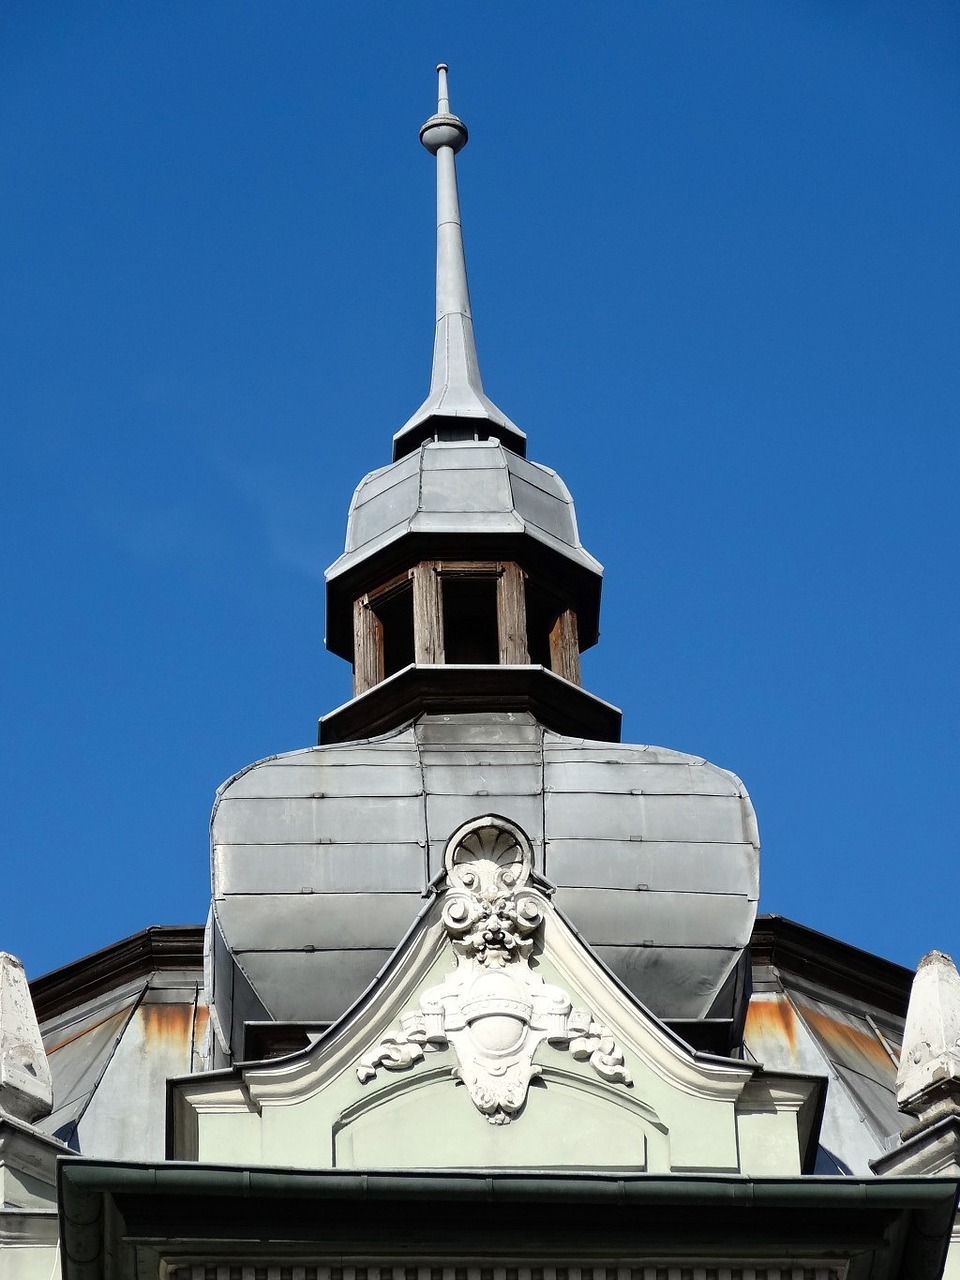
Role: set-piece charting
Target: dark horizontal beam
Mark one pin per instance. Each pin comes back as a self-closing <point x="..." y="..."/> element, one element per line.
<point x="157" y="947"/>
<point x="418" y="689"/>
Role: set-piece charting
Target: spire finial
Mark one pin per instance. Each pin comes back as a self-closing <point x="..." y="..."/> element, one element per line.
<point x="456" y="404"/>
<point x="443" y="96"/>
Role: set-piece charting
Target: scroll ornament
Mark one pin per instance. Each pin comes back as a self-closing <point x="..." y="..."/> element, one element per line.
<point x="493" y="1009"/>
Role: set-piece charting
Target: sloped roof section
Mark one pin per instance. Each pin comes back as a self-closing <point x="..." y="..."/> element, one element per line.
<point x="462" y="487"/>
<point x="821" y="1006"/>
<point x="116" y="1026"/>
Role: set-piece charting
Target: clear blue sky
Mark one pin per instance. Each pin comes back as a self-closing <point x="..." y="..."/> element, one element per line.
<point x="714" y="259"/>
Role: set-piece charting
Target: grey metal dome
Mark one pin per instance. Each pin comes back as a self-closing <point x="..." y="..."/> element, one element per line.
<point x="321" y="860"/>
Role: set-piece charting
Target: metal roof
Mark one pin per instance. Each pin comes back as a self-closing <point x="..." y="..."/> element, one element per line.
<point x="472" y="487"/>
<point x="831" y="1010"/>
<point x="321" y="858"/>
<point x="111" y="1056"/>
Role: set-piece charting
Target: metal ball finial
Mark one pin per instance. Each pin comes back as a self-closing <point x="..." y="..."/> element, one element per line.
<point x="443" y="129"/>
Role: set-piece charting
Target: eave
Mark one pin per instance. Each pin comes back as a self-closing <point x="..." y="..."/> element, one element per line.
<point x="442" y="690"/>
<point x="146" y="1218"/>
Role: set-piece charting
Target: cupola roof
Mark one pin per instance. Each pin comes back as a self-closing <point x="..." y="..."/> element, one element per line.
<point x="463" y="582"/>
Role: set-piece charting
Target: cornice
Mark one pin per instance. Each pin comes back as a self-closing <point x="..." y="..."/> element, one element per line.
<point x="159" y="947"/>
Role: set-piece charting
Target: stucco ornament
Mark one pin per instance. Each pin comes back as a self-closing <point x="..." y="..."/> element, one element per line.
<point x="493" y="1009"/>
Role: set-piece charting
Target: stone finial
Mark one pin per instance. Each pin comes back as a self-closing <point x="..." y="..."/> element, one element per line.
<point x="26" y="1088"/>
<point x="928" y="1082"/>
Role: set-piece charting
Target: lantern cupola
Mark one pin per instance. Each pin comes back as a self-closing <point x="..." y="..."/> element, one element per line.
<point x="463" y="584"/>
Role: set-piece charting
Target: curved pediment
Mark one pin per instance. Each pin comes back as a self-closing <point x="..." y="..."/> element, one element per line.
<point x="493" y="1020"/>
<point x="587" y="1123"/>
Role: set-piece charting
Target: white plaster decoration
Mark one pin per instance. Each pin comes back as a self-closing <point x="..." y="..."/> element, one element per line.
<point x="493" y="1009"/>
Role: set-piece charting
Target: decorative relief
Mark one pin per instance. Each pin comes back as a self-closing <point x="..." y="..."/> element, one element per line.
<point x="493" y="1009"/>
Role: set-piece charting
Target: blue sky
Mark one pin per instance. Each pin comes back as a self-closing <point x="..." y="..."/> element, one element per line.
<point x="714" y="260"/>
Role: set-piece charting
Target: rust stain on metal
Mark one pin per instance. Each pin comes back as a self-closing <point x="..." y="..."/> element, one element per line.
<point x="848" y="1042"/>
<point x="772" y="1019"/>
<point x="166" y="1023"/>
<point x="117" y="1016"/>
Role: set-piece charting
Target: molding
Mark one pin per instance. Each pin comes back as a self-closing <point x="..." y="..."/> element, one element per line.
<point x="149" y="1218"/>
<point x="29" y="1229"/>
<point x="797" y="949"/>
<point x="26" y="1149"/>
<point x="629" y="1269"/>
<point x="420" y="689"/>
<point x="933" y="1151"/>
<point x="159" y="947"/>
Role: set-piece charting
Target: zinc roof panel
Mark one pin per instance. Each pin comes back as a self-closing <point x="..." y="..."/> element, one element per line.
<point x="679" y="866"/>
<point x="316" y="779"/>
<point x="646" y="777"/>
<point x="848" y="1040"/>
<point x="77" y="1061"/>
<point x="673" y="982"/>
<point x="695" y="818"/>
<point x="346" y="819"/>
<point x="546" y="511"/>
<point x="295" y="985"/>
<point x="477" y="490"/>
<point x="156" y="1044"/>
<point x="692" y="920"/>
<point x="326" y="922"/>
<point x="378" y="866"/>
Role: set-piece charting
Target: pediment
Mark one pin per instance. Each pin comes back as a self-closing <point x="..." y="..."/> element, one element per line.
<point x="495" y="1037"/>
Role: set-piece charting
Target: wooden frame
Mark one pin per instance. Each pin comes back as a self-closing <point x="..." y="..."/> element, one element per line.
<point x="426" y="582"/>
<point x="564" y="647"/>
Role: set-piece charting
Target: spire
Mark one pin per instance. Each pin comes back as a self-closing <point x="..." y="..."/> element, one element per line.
<point x="456" y="407"/>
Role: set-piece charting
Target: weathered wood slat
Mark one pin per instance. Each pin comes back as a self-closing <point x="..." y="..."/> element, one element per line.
<point x="367" y="647"/>
<point x="427" y="613"/>
<point x="512" y="615"/>
<point x="564" y="649"/>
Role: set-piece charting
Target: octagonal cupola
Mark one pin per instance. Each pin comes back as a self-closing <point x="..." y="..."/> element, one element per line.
<point x="463" y="583"/>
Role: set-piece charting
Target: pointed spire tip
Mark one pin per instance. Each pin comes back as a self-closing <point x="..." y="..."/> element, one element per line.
<point x="456" y="391"/>
<point x="443" y="129"/>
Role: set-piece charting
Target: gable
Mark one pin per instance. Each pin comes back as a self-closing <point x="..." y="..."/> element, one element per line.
<point x="494" y="1033"/>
